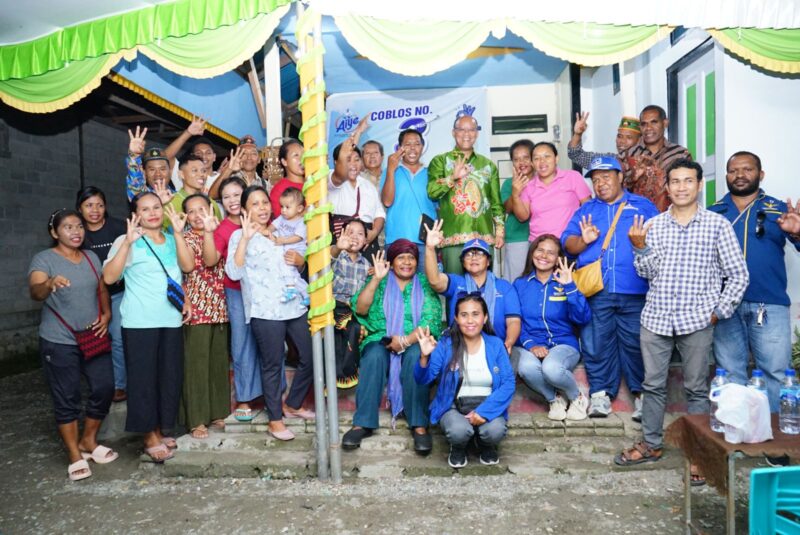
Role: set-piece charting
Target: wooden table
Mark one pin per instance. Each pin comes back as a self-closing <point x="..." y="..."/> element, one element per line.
<point x="716" y="459"/>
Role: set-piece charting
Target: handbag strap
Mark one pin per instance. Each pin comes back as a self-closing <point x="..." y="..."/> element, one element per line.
<point x="612" y="228"/>
<point x="154" y="254"/>
<point x="99" y="308"/>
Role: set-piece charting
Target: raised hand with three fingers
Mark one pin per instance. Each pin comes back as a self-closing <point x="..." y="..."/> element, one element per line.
<point x="136" y="145"/>
<point x="589" y="232"/>
<point x="134" y="231"/>
<point x="427" y="343"/>
<point x="210" y="221"/>
<point x="563" y="272"/>
<point x="197" y="127"/>
<point x="435" y="235"/>
<point x="789" y="221"/>
<point x="178" y="219"/>
<point x="381" y="265"/>
<point x="163" y="192"/>
<point x="638" y="232"/>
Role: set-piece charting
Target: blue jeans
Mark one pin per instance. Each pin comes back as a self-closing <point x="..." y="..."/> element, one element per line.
<point x="610" y="343"/>
<point x="551" y="373"/>
<point x="372" y="375"/>
<point x="246" y="364"/>
<point x="770" y="343"/>
<point x="459" y="431"/>
<point x="117" y="351"/>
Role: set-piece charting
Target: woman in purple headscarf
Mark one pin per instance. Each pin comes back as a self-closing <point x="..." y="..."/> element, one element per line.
<point x="390" y="307"/>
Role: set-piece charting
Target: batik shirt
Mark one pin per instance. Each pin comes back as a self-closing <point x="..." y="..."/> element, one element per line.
<point x="204" y="286"/>
<point x="652" y="183"/>
<point x="471" y="207"/>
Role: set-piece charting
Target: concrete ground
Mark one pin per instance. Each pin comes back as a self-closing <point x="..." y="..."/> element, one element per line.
<point x="545" y="484"/>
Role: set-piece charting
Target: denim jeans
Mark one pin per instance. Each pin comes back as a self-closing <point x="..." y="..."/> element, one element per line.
<point x="770" y="344"/>
<point x="459" y="431"/>
<point x="657" y="350"/>
<point x="246" y="364"/>
<point x="372" y="375"/>
<point x="610" y="343"/>
<point x="552" y="373"/>
<point x="117" y="351"/>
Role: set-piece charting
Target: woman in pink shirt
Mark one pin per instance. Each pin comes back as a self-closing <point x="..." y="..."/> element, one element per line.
<point x="551" y="197"/>
<point x="291" y="157"/>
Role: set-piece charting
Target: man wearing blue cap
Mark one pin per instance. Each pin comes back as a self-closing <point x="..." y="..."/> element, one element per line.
<point x="610" y="341"/>
<point x="476" y="259"/>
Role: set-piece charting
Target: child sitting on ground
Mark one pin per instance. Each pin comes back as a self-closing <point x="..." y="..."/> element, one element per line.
<point x="350" y="271"/>
<point x="289" y="230"/>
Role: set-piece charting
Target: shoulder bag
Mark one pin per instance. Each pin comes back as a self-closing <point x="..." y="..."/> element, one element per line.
<point x="589" y="278"/>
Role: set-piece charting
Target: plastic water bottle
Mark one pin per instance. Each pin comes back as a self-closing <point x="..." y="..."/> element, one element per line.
<point x="757" y="381"/>
<point x="789" y="418"/>
<point x="716" y="384"/>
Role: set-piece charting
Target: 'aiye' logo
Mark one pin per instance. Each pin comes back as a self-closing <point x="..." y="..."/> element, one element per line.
<point x="346" y="122"/>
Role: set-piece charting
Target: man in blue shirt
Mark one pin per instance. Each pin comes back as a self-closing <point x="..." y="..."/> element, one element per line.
<point x="610" y="341"/>
<point x="761" y="322"/>
<point x="404" y="192"/>
<point x="501" y="298"/>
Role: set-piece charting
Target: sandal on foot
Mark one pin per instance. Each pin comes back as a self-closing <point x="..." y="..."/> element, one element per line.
<point x="305" y="414"/>
<point x="639" y="453"/>
<point x="243" y="415"/>
<point x="218" y="424"/>
<point x="169" y="442"/>
<point x="100" y="455"/>
<point x="154" y="452"/>
<point x="79" y="470"/>
<point x="200" y="431"/>
<point x="697" y="480"/>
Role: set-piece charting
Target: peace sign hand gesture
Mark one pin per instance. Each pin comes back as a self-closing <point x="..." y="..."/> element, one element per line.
<point x="589" y="232"/>
<point x="435" y="234"/>
<point x="790" y="221"/>
<point x="394" y="159"/>
<point x="381" y="265"/>
<point x="427" y="343"/>
<point x="580" y="123"/>
<point x="638" y="232"/>
<point x="563" y="273"/>
<point x="134" y="231"/>
<point x="137" y="144"/>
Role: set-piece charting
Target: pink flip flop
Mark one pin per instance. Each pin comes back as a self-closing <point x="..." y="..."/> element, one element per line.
<point x="170" y="443"/>
<point x="284" y="435"/>
<point x="161" y="448"/>
<point x="305" y="414"/>
<point x="100" y="455"/>
<point x="79" y="470"/>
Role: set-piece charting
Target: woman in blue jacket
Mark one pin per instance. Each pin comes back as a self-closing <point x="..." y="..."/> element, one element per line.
<point x="551" y="308"/>
<point x="476" y="381"/>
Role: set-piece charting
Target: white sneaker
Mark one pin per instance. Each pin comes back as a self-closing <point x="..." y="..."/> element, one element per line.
<point x="558" y="409"/>
<point x="577" y="408"/>
<point x="637" y="409"/>
<point x="600" y="405"/>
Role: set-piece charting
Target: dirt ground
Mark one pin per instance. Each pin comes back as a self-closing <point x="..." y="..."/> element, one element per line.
<point x="122" y="497"/>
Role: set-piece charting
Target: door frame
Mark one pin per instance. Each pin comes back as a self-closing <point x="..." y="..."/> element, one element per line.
<point x="672" y="84"/>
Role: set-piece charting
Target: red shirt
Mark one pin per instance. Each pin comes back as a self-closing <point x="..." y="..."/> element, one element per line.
<point x="221" y="238"/>
<point x="204" y="286"/>
<point x="277" y="191"/>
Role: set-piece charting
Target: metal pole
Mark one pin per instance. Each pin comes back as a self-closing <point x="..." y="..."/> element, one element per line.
<point x="687" y="493"/>
<point x="730" y="499"/>
<point x="334" y="449"/>
<point x="319" y="407"/>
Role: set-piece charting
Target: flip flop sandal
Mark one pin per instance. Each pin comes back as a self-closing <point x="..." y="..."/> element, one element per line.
<point x="170" y="443"/>
<point x="155" y="450"/>
<point x="200" y="431"/>
<point x="697" y="480"/>
<point x="243" y="415"/>
<point x="217" y="424"/>
<point x="646" y="455"/>
<point x="79" y="470"/>
<point x="100" y="455"/>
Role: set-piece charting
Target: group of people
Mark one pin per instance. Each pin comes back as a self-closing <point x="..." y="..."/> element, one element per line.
<point x="211" y="264"/>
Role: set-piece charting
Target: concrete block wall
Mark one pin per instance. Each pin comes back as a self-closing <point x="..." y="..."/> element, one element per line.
<point x="39" y="173"/>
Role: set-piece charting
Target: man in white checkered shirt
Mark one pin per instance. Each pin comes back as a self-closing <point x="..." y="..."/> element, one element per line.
<point x="697" y="276"/>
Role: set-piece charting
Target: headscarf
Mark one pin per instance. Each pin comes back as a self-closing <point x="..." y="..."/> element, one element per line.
<point x="402" y="246"/>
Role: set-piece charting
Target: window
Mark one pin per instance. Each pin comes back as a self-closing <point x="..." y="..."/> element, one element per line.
<point x="520" y="124"/>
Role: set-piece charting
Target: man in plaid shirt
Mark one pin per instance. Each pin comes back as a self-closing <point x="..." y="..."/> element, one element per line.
<point x="686" y="253"/>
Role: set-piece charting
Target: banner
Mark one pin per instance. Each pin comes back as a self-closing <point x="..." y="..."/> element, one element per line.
<point x="429" y="111"/>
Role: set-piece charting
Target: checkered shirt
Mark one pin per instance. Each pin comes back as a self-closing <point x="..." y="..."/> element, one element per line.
<point x="348" y="276"/>
<point x="686" y="267"/>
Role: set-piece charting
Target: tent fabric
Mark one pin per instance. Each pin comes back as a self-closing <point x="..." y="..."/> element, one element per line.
<point x="126" y="31"/>
<point x="773" y="50"/>
<point x="589" y="44"/>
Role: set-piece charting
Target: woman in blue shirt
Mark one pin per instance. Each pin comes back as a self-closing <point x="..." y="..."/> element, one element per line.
<point x="476" y="381"/>
<point x="552" y="308"/>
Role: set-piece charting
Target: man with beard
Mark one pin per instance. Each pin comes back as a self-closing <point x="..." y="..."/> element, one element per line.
<point x="628" y="134"/>
<point x="761" y="322"/>
<point x="404" y="193"/>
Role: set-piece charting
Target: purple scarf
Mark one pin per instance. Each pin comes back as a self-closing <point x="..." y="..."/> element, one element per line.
<point x="394" y="310"/>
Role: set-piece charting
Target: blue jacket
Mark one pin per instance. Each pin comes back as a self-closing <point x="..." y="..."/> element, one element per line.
<point x="503" y="381"/>
<point x="764" y="255"/>
<point x="550" y="313"/>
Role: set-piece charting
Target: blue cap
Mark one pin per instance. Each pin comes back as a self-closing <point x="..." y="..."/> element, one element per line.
<point x="476" y="244"/>
<point x="603" y="163"/>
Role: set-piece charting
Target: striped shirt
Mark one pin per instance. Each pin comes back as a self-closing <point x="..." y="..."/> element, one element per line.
<point x="652" y="183"/>
<point x="686" y="266"/>
<point x="584" y="158"/>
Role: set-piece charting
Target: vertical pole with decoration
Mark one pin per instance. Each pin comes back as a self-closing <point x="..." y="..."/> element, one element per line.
<point x="320" y="314"/>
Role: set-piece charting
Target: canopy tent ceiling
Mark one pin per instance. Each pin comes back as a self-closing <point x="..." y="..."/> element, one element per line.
<point x="458" y="43"/>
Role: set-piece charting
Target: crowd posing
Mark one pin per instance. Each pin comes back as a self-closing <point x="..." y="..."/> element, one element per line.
<point x="444" y="281"/>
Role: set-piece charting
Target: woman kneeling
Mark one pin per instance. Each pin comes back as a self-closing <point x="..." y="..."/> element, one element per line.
<point x="476" y="381"/>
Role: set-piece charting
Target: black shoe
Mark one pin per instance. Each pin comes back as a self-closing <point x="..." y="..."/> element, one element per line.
<point x="489" y="455"/>
<point x="776" y="462"/>
<point x="457" y="457"/>
<point x="352" y="439"/>
<point x="423" y="444"/>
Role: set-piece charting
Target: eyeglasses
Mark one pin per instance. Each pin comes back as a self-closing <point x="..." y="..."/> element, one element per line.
<point x="760" y="217"/>
<point x="474" y="253"/>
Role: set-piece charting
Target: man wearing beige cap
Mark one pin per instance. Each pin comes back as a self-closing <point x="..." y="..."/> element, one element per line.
<point x="628" y="135"/>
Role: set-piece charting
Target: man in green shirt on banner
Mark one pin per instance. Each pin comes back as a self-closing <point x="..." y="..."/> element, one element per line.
<point x="467" y="187"/>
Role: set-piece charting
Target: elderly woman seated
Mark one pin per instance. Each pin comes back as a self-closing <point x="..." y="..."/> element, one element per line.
<point x="390" y="307"/>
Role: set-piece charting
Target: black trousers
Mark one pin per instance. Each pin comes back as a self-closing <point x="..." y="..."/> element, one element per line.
<point x="63" y="366"/>
<point x="154" y="363"/>
<point x="270" y="335"/>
